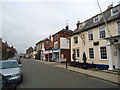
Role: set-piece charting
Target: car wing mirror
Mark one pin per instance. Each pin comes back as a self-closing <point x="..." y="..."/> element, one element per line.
<point x="20" y="65"/>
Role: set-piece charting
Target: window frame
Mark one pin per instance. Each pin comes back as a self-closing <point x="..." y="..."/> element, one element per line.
<point x="99" y="32"/>
<point x="112" y="14"/>
<point x="118" y="31"/>
<point x="76" y="52"/>
<point x="90" y="32"/>
<point x="100" y="53"/>
<point x="75" y="42"/>
<point x="96" y="17"/>
<point x="93" y="53"/>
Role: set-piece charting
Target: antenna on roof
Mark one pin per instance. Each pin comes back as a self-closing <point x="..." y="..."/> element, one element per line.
<point x="67" y="22"/>
<point x="104" y="18"/>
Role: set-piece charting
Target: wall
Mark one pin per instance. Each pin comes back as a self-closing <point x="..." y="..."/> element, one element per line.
<point x="102" y="42"/>
<point x="66" y="54"/>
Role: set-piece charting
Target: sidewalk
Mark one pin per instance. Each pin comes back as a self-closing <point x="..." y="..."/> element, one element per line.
<point x="114" y="78"/>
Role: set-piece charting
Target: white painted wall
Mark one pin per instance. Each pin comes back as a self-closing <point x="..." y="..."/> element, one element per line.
<point x="64" y="43"/>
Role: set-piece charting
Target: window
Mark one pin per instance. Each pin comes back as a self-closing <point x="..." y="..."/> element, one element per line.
<point x="75" y="40"/>
<point x="118" y="24"/>
<point x="95" y="19"/>
<point x="114" y="10"/>
<point x="90" y="35"/>
<point x="78" y="53"/>
<point x="56" y="45"/>
<point x="103" y="52"/>
<point x="91" y="53"/>
<point x="102" y="32"/>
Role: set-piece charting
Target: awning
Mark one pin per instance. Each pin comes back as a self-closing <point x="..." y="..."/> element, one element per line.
<point x="46" y="53"/>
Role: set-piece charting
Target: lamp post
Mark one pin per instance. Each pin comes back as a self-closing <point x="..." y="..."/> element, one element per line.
<point x="66" y="63"/>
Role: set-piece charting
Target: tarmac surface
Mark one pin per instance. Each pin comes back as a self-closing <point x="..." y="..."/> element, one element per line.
<point x="40" y="74"/>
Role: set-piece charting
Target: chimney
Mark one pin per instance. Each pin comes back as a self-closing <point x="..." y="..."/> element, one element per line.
<point x="78" y="25"/>
<point x="67" y="27"/>
<point x="110" y="6"/>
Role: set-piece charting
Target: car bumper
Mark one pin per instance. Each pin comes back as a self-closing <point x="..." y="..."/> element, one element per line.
<point x="15" y="79"/>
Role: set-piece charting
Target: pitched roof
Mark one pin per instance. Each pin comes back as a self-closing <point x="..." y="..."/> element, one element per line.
<point x="46" y="39"/>
<point x="90" y="24"/>
<point x="64" y="30"/>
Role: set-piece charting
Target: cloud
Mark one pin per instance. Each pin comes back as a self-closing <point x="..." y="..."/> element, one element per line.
<point x="25" y="23"/>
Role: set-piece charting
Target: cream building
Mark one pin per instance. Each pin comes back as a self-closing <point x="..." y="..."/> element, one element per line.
<point x="99" y="41"/>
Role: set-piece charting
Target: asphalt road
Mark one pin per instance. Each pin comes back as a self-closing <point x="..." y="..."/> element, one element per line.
<point x="40" y="75"/>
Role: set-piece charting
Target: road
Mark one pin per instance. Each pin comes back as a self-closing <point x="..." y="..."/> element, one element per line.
<point x="39" y="75"/>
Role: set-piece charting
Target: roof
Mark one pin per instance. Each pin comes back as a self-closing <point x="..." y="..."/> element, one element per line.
<point x="42" y="40"/>
<point x="64" y="30"/>
<point x="90" y="24"/>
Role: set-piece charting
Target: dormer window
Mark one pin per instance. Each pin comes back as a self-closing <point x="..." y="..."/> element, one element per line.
<point x="97" y="18"/>
<point x="114" y="11"/>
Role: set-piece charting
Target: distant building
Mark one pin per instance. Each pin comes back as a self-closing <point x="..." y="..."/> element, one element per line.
<point x="41" y="46"/>
<point x="6" y="51"/>
<point x="29" y="52"/>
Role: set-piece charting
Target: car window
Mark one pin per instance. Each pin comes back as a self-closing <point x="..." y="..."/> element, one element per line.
<point x="9" y="64"/>
<point x="12" y="59"/>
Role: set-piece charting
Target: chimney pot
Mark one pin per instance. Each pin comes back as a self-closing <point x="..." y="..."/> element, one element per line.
<point x="110" y="6"/>
<point x="67" y="27"/>
<point x="78" y="24"/>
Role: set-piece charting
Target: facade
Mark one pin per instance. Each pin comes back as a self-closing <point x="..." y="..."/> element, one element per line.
<point x="48" y="49"/>
<point x="29" y="52"/>
<point x="61" y="45"/>
<point x="41" y="46"/>
<point x="99" y="41"/>
<point x="6" y="51"/>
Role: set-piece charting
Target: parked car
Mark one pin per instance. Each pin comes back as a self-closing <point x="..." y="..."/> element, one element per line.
<point x="17" y="59"/>
<point x="11" y="70"/>
<point x="5" y="84"/>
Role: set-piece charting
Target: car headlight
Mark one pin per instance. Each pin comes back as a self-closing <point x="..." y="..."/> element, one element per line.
<point x="15" y="75"/>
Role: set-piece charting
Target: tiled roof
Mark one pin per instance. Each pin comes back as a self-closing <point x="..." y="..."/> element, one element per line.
<point x="90" y="24"/>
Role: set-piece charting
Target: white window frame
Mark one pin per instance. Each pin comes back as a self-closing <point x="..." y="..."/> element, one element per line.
<point x="112" y="14"/>
<point x="97" y="17"/>
<point x="117" y="27"/>
<point x="89" y="53"/>
<point x="55" y="44"/>
<point x="89" y="32"/>
<point x="100" y="53"/>
<point x="76" y="53"/>
<point x="99" y="32"/>
<point x="74" y="40"/>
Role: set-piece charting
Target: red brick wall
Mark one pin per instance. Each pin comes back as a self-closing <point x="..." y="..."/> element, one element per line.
<point x="66" y="53"/>
<point x="47" y="44"/>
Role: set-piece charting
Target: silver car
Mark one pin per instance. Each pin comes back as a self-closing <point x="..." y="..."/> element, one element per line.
<point x="11" y="70"/>
<point x="17" y="59"/>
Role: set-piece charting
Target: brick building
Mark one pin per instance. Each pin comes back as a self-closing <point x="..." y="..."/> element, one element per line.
<point x="61" y="45"/>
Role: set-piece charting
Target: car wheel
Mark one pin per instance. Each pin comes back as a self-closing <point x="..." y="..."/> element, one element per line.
<point x="21" y="80"/>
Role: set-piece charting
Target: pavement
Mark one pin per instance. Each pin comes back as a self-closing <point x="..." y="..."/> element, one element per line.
<point x="104" y="75"/>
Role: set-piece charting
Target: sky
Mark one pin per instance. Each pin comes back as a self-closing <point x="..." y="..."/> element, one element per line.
<point x="25" y="22"/>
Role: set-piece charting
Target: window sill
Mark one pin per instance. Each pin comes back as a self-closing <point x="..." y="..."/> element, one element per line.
<point x="103" y="59"/>
<point x="90" y="59"/>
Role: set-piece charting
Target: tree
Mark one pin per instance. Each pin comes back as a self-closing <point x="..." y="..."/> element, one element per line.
<point x="85" y="66"/>
<point x="84" y="58"/>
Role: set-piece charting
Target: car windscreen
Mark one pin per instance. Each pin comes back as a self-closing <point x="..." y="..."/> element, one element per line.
<point x="12" y="59"/>
<point x="9" y="64"/>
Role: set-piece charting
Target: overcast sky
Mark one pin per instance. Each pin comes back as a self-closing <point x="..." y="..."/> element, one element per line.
<point x="25" y="22"/>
